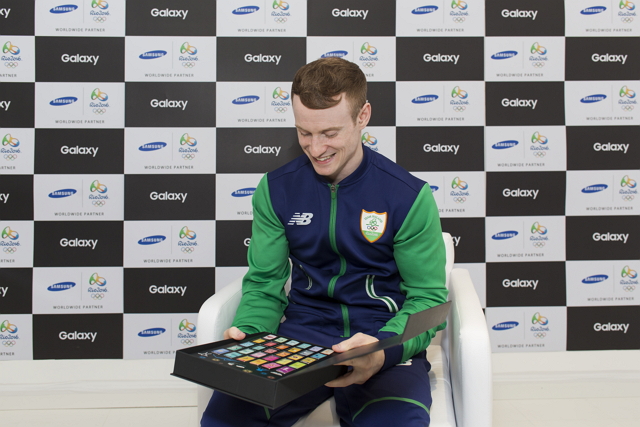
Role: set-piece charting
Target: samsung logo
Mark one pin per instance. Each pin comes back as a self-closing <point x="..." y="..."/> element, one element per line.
<point x="424" y="99"/>
<point x="335" y="54"/>
<point x="63" y="101"/>
<point x="245" y="10"/>
<point x="504" y="55"/>
<point x="504" y="326"/>
<point x="595" y="278"/>
<point x="58" y="194"/>
<point x="503" y="235"/>
<point x="594" y="188"/>
<point x="504" y="144"/>
<point x="245" y="100"/>
<point x="152" y="146"/>
<point x="422" y="10"/>
<point x="151" y="240"/>
<point x="153" y="54"/>
<point x="593" y="10"/>
<point x="151" y="332"/>
<point x="434" y="188"/>
<point x="244" y="192"/>
<point x="593" y="98"/>
<point x="62" y="286"/>
<point x="66" y="8"/>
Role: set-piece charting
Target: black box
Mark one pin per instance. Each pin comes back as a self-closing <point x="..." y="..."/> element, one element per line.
<point x="207" y="366"/>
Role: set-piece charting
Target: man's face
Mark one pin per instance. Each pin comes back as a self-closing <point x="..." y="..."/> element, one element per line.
<point x="330" y="138"/>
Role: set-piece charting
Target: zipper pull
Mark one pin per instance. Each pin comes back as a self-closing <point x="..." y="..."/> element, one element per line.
<point x="333" y="188"/>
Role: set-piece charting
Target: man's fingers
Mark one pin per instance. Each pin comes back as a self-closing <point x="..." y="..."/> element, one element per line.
<point x="358" y="340"/>
<point x="234" y="333"/>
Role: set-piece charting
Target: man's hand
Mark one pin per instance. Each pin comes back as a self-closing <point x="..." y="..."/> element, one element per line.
<point x="363" y="367"/>
<point x="234" y="333"/>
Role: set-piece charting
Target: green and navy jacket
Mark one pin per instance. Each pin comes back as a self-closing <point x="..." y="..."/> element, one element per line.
<point x="365" y="253"/>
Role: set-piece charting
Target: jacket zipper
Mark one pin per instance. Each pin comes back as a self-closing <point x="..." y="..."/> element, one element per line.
<point x="308" y="277"/>
<point x="343" y="262"/>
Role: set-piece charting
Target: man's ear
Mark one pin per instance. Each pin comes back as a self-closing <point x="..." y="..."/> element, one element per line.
<point x="364" y="116"/>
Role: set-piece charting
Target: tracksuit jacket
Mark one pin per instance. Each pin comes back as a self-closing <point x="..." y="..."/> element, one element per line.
<point x="365" y="253"/>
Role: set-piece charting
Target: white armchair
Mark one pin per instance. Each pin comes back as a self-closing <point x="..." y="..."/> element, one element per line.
<point x="460" y="356"/>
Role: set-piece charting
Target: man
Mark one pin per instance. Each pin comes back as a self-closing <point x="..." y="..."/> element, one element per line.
<point x="365" y="244"/>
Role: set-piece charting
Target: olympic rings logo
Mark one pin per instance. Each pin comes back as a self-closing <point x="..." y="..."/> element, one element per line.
<point x="279" y="4"/>
<point x="188" y="250"/>
<point x="626" y="4"/>
<point x="538" y="318"/>
<point x="458" y="183"/>
<point x="10" y="250"/>
<point x="10" y="156"/>
<point x="539" y="154"/>
<point x="102" y="4"/>
<point x="9" y="140"/>
<point x="372" y="227"/>
<point x="99" y="203"/>
<point x="100" y="19"/>
<point x="97" y="296"/>
<point x="628" y="272"/>
<point x="99" y="95"/>
<point x="537" y="64"/>
<point x="188" y="156"/>
<point x="627" y="19"/>
<point x="457" y="92"/>
<point x="8" y="343"/>
<point x="10" y="48"/>
<point x="628" y="197"/>
<point x="538" y="228"/>
<point x="280" y="19"/>
<point x="7" y="326"/>
<point x="628" y="182"/>
<point x="96" y="186"/>
<point x="538" y="245"/>
<point x="459" y="4"/>
<point x="459" y="199"/>
<point x="187" y="48"/>
<point x="459" y="108"/>
<point x="540" y="139"/>
<point x="185" y="325"/>
<point x="11" y="64"/>
<point x="278" y="93"/>
<point x="627" y="107"/>
<point x="367" y="48"/>
<point x="188" y="140"/>
<point x="368" y="139"/>
<point x="187" y="341"/>
<point x="537" y="48"/>
<point x="625" y="92"/>
<point x="10" y="234"/>
<point x="188" y="64"/>
<point x="458" y="19"/>
<point x="368" y="64"/>
<point x="629" y="288"/>
<point x="540" y="334"/>
<point x="280" y="109"/>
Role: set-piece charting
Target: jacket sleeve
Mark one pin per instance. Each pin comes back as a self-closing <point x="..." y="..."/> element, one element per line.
<point x="263" y="295"/>
<point x="420" y="255"/>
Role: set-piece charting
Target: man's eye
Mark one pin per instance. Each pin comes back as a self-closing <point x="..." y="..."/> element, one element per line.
<point x="331" y="135"/>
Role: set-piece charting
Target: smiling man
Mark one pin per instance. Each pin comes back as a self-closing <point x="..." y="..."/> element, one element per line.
<point x="365" y="244"/>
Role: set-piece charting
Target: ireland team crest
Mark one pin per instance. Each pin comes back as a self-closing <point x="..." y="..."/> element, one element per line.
<point x="372" y="225"/>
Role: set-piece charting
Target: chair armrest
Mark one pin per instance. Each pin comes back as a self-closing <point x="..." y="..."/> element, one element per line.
<point x="217" y="312"/>
<point x="470" y="354"/>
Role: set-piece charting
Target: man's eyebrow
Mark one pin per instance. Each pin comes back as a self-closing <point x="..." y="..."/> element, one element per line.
<point x="323" y="130"/>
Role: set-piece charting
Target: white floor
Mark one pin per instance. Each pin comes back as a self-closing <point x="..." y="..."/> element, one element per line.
<point x="534" y="412"/>
<point x="530" y="390"/>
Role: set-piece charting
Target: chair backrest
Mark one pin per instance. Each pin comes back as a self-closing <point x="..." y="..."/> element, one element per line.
<point x="448" y="244"/>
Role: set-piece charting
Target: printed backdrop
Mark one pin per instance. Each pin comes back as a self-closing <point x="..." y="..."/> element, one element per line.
<point x="135" y="132"/>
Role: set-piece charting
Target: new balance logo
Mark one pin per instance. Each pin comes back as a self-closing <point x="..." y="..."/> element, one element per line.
<point x="300" y="219"/>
